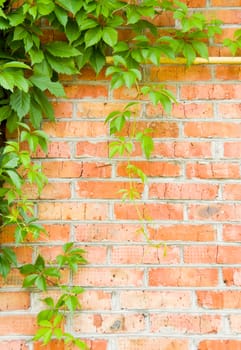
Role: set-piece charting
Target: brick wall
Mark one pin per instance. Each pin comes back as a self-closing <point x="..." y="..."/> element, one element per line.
<point x="136" y="297"/>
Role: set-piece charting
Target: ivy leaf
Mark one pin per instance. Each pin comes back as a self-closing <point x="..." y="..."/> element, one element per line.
<point x="97" y="61"/>
<point x="71" y="5"/>
<point x="201" y="48"/>
<point x="35" y="114"/>
<point x="44" y="83"/>
<point x="61" y="15"/>
<point x="43" y="102"/>
<point x="62" y="49"/>
<point x="15" y="178"/>
<point x="62" y="65"/>
<point x="72" y="31"/>
<point x="110" y="36"/>
<point x="189" y="53"/>
<point x="20" y="102"/>
<point x="92" y="36"/>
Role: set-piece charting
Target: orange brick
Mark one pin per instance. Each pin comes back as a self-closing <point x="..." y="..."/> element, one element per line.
<point x="62" y="109"/>
<point x="182" y="150"/>
<point x="75" y="129"/>
<point x="55" y="150"/>
<point x="227" y="16"/>
<point x="219" y="345"/>
<point x="147" y="299"/>
<point x="108" y="232"/>
<point x="216" y="212"/>
<point x="229" y="110"/>
<point x="148" y="211"/>
<point x="232" y="233"/>
<point x="185" y="323"/>
<point x="144" y="255"/>
<point x="14" y="279"/>
<point x="14" y="345"/>
<point x="195" y="3"/>
<point x="56" y="233"/>
<point x="108" y="323"/>
<point x="225" y="3"/>
<point x="213" y="170"/>
<point x="102" y="109"/>
<point x="81" y="91"/>
<point x="17" y="325"/>
<point x="58" y="190"/>
<point x="152" y="343"/>
<point x="73" y="169"/>
<point x="179" y="73"/>
<point x="14" y="301"/>
<point x="160" y="129"/>
<point x="201" y="254"/>
<point x="232" y="149"/>
<point x="213" y="129"/>
<point x="235" y="323"/>
<point x="152" y="169"/>
<point x="232" y="191"/>
<point x="92" y="149"/>
<point x="109" y="277"/>
<point x="95" y="300"/>
<point x="183" y="277"/>
<point x="53" y="345"/>
<point x="183" y="191"/>
<point x="213" y="92"/>
<point x="72" y="211"/>
<point x="103" y="190"/>
<point x="219" y="299"/>
<point x="232" y="276"/>
<point x="229" y="72"/>
<point x="183" y="110"/>
<point x="202" y="233"/>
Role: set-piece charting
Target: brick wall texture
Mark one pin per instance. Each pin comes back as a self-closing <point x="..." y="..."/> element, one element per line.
<point x="137" y="297"/>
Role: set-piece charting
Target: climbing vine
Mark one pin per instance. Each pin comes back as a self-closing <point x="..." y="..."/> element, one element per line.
<point x="30" y="69"/>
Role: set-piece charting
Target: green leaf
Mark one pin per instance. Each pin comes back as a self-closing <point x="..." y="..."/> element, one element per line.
<point x="72" y="303"/>
<point x="110" y="36"/>
<point x="92" y="36"/>
<point x="40" y="283"/>
<point x="71" y="5"/>
<point x="5" y="112"/>
<point x="15" y="178"/>
<point x="44" y="83"/>
<point x="20" y="102"/>
<point x="61" y="15"/>
<point x="72" y="31"/>
<point x="15" y="64"/>
<point x="29" y="281"/>
<point x="45" y="7"/>
<point x="62" y="65"/>
<point x="201" y="48"/>
<point x="61" y="49"/>
<point x="97" y="61"/>
<point x="35" y="114"/>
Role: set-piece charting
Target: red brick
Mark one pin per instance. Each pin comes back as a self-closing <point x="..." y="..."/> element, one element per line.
<point x="219" y="299"/>
<point x="213" y="170"/>
<point x="200" y="254"/>
<point x="151" y="169"/>
<point x="144" y="255"/>
<point x="152" y="343"/>
<point x="53" y="345"/>
<point x="148" y="211"/>
<point x="155" y="299"/>
<point x="213" y="129"/>
<point x="13" y="345"/>
<point x="24" y="254"/>
<point x="179" y="73"/>
<point x="104" y="190"/>
<point x="17" y="325"/>
<point x="202" y="233"/>
<point x="183" y="191"/>
<point x="182" y="149"/>
<point x="232" y="149"/>
<point x="183" y="110"/>
<point x="92" y="149"/>
<point x="232" y="233"/>
<point x="229" y="110"/>
<point x="227" y="16"/>
<point x="72" y="211"/>
<point x="219" y="345"/>
<point x="73" y="169"/>
<point x="82" y="91"/>
<point x="195" y="3"/>
<point x="95" y="300"/>
<point x="14" y="301"/>
<point x="210" y="92"/>
<point x="232" y="276"/>
<point x="216" y="212"/>
<point x="160" y="129"/>
<point x="185" y="323"/>
<point x="108" y="232"/>
<point x="75" y="129"/>
<point x="108" y="323"/>
<point x="14" y="279"/>
<point x="183" y="277"/>
<point x="109" y="277"/>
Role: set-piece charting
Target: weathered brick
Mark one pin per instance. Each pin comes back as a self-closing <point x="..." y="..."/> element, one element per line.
<point x="219" y="299"/>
